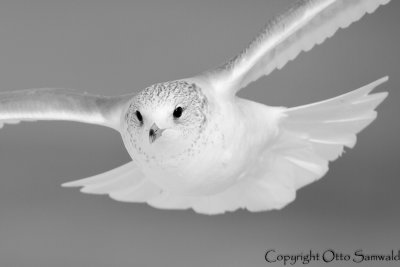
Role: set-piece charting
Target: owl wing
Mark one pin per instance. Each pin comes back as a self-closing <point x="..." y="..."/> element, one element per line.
<point x="61" y="104"/>
<point x="125" y="183"/>
<point x="307" y="23"/>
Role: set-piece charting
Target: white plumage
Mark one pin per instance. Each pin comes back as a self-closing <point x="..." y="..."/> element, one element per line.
<point x="309" y="137"/>
<point x="195" y="144"/>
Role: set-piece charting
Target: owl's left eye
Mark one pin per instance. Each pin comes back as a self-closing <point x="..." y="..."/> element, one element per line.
<point x="177" y="112"/>
<point x="139" y="116"/>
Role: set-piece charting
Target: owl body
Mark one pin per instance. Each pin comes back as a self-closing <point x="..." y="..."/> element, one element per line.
<point x="215" y="155"/>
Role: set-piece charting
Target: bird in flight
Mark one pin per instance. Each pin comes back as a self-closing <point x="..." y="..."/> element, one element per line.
<point x="195" y="144"/>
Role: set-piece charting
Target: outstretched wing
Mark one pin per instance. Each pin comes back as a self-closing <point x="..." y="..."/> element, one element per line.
<point x="60" y="104"/>
<point x="125" y="183"/>
<point x="309" y="138"/>
<point x="307" y="23"/>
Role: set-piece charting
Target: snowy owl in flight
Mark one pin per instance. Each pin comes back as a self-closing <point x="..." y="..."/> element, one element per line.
<point x="195" y="144"/>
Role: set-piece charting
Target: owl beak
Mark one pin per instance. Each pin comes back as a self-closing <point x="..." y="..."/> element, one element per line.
<point x="154" y="133"/>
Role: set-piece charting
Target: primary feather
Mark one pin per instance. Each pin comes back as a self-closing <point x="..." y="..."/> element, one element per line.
<point x="321" y="130"/>
<point x="305" y="24"/>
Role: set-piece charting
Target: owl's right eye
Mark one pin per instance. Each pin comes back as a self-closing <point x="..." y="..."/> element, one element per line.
<point x="139" y="116"/>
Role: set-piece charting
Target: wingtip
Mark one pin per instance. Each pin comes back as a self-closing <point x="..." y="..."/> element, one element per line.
<point x="367" y="89"/>
<point x="383" y="94"/>
<point x="384" y="78"/>
<point x="70" y="184"/>
<point x="380" y="81"/>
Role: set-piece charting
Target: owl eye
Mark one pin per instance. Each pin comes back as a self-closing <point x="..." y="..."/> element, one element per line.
<point x="177" y="112"/>
<point x="139" y="116"/>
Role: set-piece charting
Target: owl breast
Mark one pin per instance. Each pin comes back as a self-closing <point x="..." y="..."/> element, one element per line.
<point x="205" y="165"/>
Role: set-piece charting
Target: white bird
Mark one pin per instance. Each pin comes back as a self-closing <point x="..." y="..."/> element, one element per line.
<point x="195" y="144"/>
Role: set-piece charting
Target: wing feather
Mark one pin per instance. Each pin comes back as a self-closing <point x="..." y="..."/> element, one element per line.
<point x="60" y="104"/>
<point x="125" y="183"/>
<point x="325" y="135"/>
<point x="307" y="23"/>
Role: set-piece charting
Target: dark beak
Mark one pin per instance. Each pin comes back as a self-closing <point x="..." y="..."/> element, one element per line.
<point x="154" y="133"/>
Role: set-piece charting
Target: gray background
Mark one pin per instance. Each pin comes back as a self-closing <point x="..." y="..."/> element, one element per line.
<point x="115" y="47"/>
